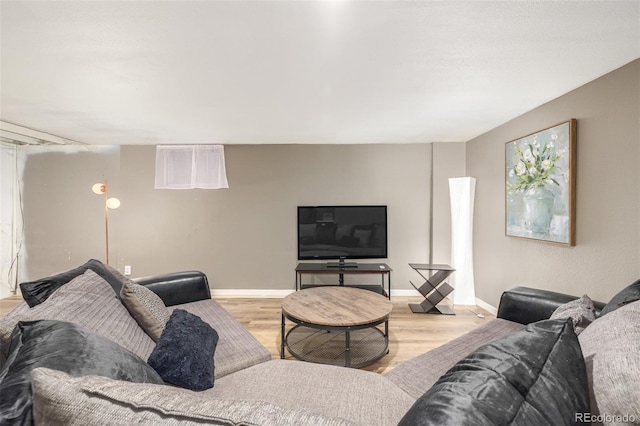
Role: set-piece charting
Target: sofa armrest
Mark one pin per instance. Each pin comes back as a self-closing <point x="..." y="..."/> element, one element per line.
<point x="177" y="288"/>
<point x="526" y="305"/>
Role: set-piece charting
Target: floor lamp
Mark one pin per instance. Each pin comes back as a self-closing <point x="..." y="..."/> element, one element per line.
<point x="462" y="193"/>
<point x="109" y="203"/>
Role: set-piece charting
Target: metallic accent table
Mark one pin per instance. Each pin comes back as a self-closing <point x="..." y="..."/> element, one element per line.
<point x="434" y="289"/>
<point x="381" y="269"/>
<point x="336" y="325"/>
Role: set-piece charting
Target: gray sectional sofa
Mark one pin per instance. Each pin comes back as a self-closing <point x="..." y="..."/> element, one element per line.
<point x="248" y="387"/>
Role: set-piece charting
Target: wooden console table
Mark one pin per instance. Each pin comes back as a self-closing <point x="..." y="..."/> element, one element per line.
<point x="434" y="289"/>
<point x="381" y="269"/>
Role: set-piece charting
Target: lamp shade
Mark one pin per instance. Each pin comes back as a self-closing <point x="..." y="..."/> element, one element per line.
<point x="462" y="193"/>
<point x="98" y="188"/>
<point x="113" y="203"/>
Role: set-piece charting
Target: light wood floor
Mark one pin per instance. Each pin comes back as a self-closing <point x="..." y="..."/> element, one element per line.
<point x="409" y="334"/>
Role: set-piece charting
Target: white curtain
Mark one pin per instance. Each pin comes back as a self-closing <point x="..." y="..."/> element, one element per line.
<point x="190" y="166"/>
<point x="10" y="218"/>
<point x="462" y="192"/>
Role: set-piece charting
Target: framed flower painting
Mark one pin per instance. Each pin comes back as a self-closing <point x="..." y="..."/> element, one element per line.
<point x="540" y="190"/>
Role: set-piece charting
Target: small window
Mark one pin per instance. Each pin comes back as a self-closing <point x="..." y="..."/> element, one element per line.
<point x="190" y="166"/>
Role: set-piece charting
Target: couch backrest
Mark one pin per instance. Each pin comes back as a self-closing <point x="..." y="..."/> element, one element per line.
<point x="176" y="288"/>
<point x="526" y="305"/>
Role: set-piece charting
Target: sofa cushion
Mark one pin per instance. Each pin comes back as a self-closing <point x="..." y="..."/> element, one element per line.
<point x="66" y="347"/>
<point x="36" y="292"/>
<point x="63" y="400"/>
<point x="87" y="300"/>
<point x="414" y="378"/>
<point x="611" y="349"/>
<point x="362" y="397"/>
<point x="236" y="348"/>
<point x="184" y="354"/>
<point x="145" y="307"/>
<point x="535" y="376"/>
<point x="627" y="295"/>
<point x="581" y="311"/>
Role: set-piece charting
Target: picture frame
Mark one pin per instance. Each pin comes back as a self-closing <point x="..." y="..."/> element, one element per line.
<point x="540" y="185"/>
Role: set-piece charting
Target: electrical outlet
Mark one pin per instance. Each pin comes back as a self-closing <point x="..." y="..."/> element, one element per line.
<point x="127" y="269"/>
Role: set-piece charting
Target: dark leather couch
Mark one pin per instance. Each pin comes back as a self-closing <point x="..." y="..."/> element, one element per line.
<point x="176" y="288"/>
<point x="526" y="305"/>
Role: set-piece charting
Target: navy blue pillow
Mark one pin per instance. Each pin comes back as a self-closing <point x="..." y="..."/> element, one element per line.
<point x="66" y="347"/>
<point x="183" y="355"/>
<point x="536" y="376"/>
<point x="36" y="292"/>
<point x="627" y="295"/>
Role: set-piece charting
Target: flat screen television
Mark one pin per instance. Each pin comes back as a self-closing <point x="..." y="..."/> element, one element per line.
<point x="342" y="232"/>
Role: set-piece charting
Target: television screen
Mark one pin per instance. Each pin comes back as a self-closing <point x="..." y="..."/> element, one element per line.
<point x="349" y="232"/>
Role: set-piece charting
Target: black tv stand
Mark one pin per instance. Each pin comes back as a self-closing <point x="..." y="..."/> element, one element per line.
<point x="381" y="269"/>
<point x="342" y="264"/>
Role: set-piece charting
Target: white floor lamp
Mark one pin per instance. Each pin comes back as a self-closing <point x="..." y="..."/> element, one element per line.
<point x="462" y="193"/>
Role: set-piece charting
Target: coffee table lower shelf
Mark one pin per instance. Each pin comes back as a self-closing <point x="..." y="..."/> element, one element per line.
<point x="355" y="348"/>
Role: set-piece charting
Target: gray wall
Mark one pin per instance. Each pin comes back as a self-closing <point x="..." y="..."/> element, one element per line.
<point x="606" y="257"/>
<point x="449" y="161"/>
<point x="243" y="237"/>
<point x="64" y="221"/>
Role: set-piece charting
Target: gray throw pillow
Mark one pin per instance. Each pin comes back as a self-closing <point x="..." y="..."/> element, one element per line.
<point x="65" y="347"/>
<point x="611" y="349"/>
<point x="145" y="307"/>
<point x="581" y="311"/>
<point x="87" y="300"/>
<point x="36" y="292"/>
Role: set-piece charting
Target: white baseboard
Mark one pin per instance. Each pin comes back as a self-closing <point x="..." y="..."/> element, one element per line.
<point x="251" y="293"/>
<point x="404" y="292"/>
<point x="487" y="307"/>
<point x="274" y="294"/>
<point x="279" y="294"/>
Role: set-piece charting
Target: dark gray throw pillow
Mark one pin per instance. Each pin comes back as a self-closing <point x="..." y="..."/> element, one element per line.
<point x="66" y="347"/>
<point x="627" y="295"/>
<point x="184" y="354"/>
<point x="36" y="292"/>
<point x="536" y="376"/>
<point x="581" y="311"/>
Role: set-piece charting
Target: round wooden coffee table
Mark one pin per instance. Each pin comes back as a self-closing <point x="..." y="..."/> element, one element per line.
<point x="336" y="325"/>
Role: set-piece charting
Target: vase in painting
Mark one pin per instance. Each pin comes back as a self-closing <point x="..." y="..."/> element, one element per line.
<point x="538" y="210"/>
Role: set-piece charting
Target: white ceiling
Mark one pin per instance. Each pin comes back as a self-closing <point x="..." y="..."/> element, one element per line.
<point x="162" y="72"/>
